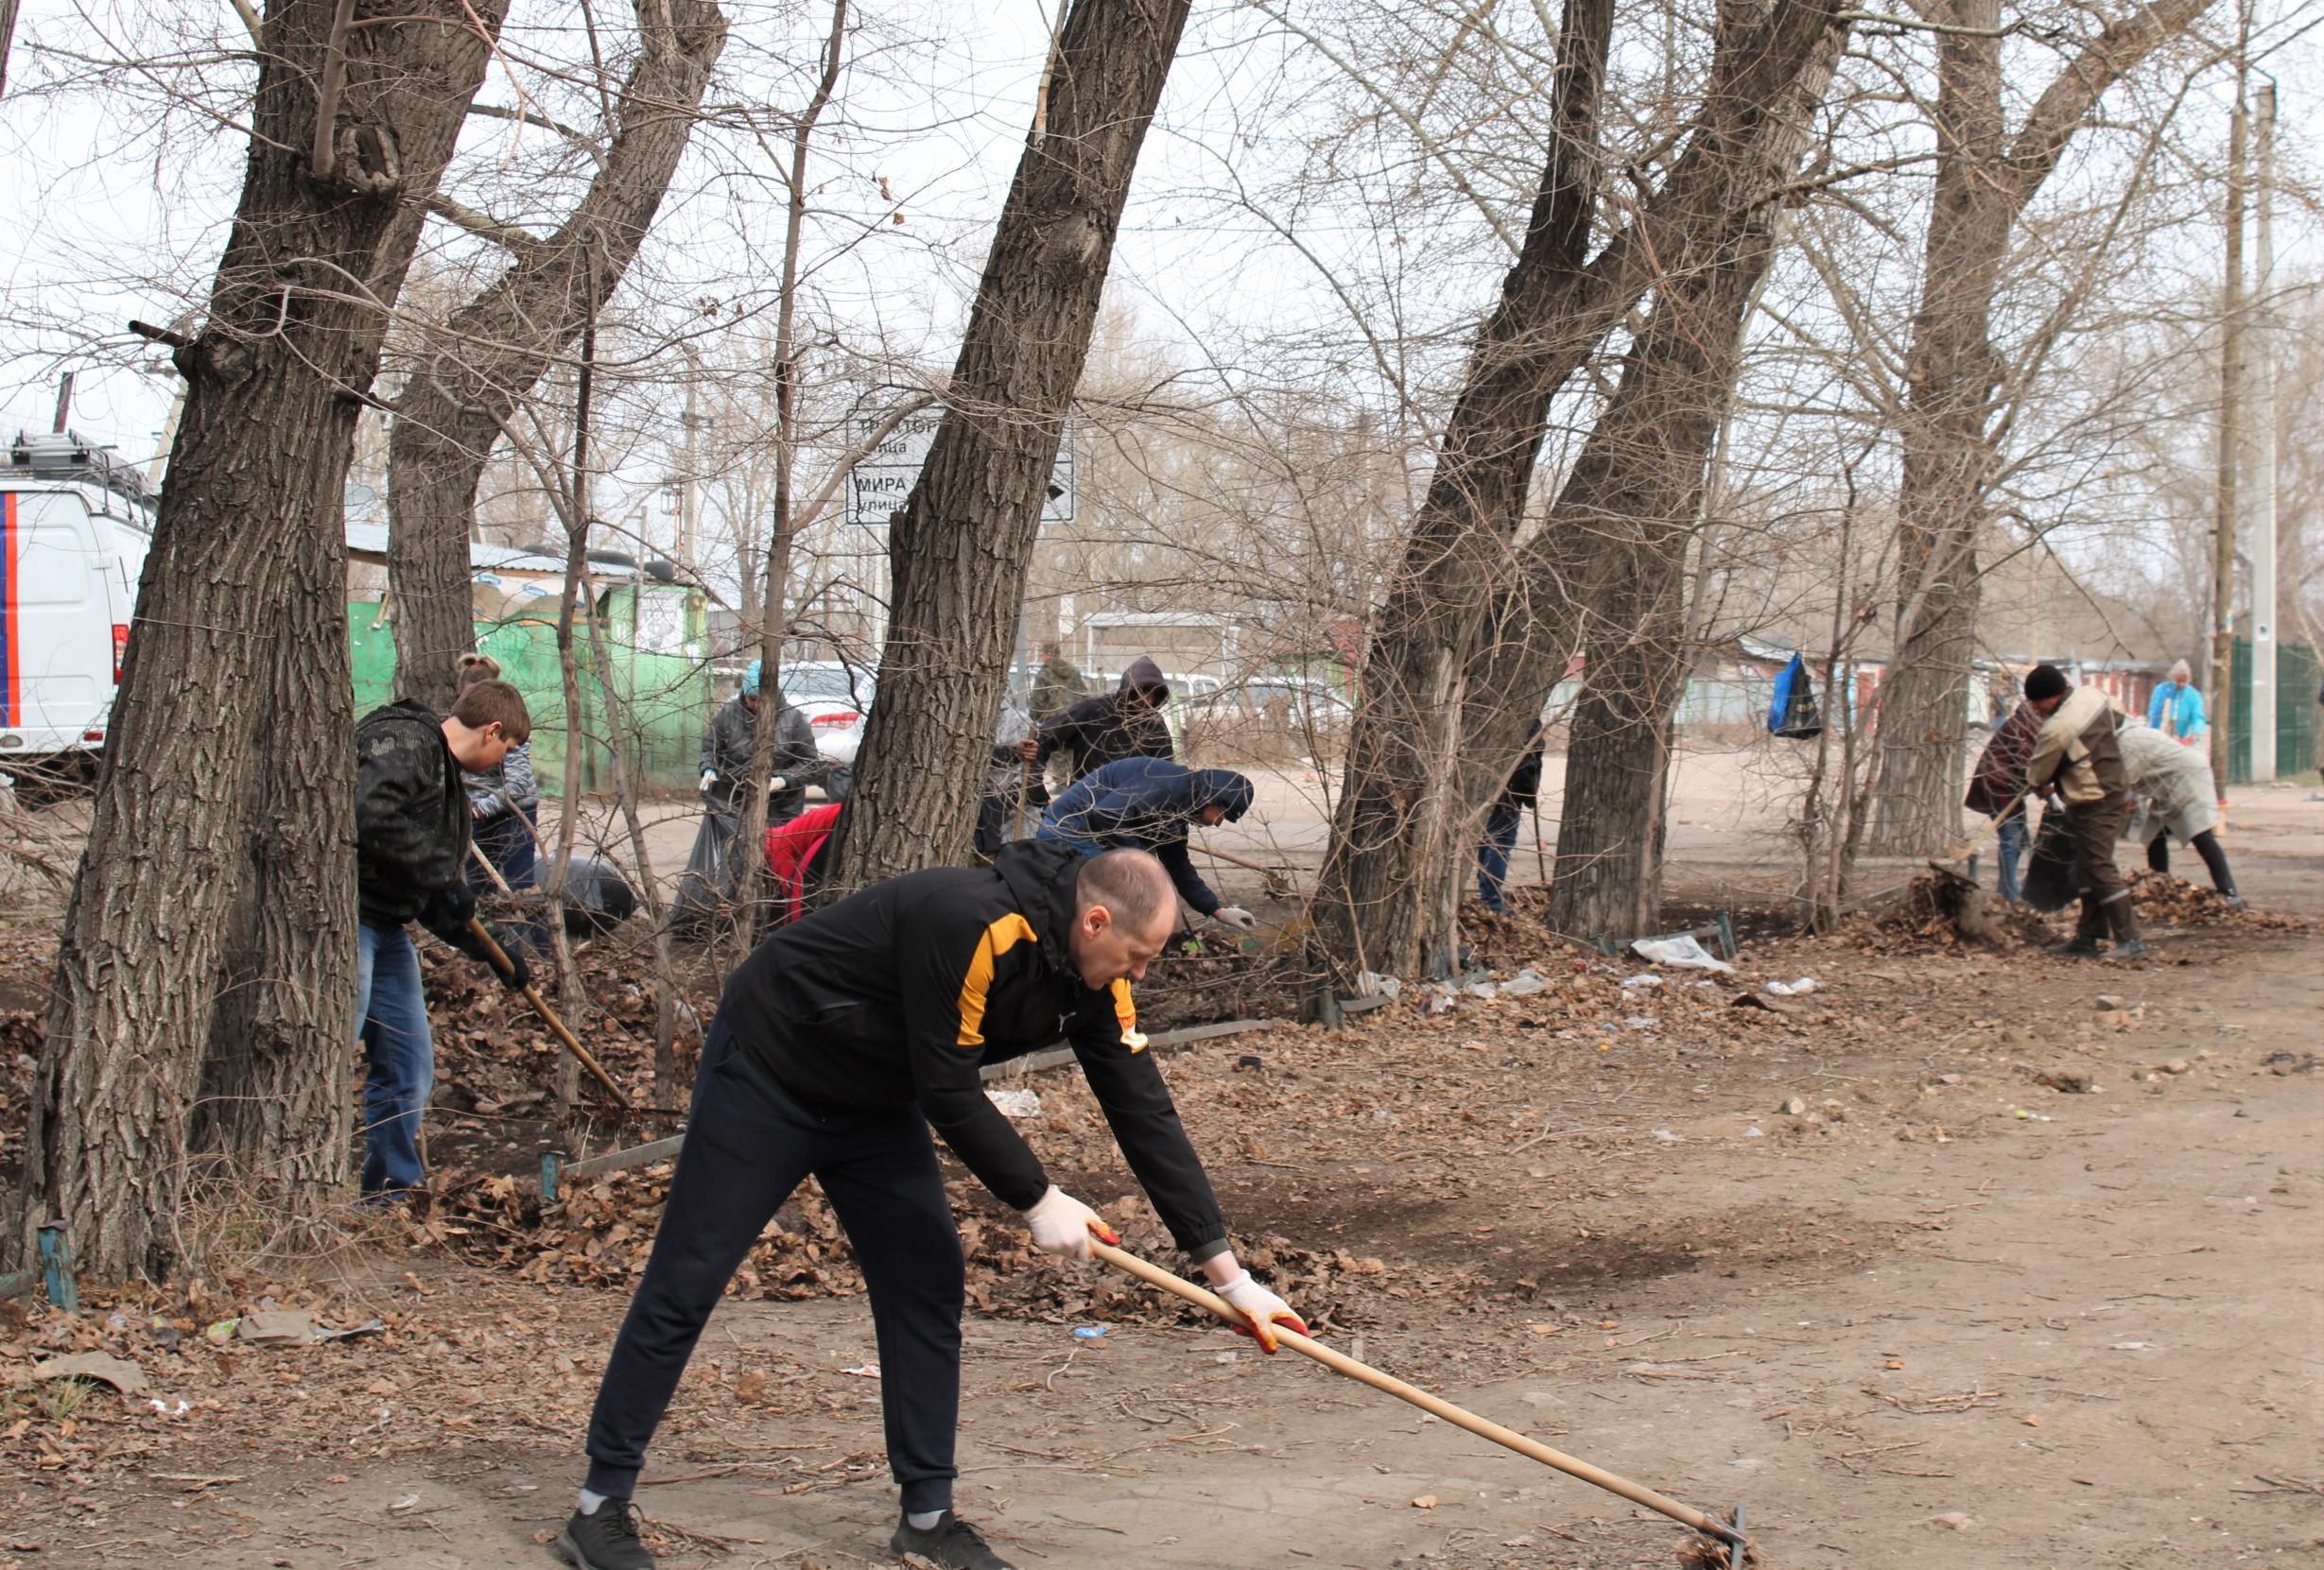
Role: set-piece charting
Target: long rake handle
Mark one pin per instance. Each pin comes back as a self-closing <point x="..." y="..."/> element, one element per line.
<point x="548" y="1016"/>
<point x="1153" y="1275"/>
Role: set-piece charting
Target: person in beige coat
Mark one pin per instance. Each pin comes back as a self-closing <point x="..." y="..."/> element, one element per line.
<point x="2176" y="799"/>
<point x="2078" y="756"/>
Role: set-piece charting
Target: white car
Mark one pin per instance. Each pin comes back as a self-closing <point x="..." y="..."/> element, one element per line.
<point x="836" y="699"/>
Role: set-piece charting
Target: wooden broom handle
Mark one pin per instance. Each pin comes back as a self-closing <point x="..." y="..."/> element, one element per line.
<point x="539" y="1005"/>
<point x="1153" y="1275"/>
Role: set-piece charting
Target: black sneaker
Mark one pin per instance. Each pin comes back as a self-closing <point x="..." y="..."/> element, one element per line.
<point x="951" y="1544"/>
<point x="605" y="1541"/>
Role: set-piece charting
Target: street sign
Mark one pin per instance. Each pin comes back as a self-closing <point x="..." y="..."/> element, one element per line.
<point x="881" y="482"/>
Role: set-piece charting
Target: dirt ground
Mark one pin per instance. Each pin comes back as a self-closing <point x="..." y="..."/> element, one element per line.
<point x="1851" y="1263"/>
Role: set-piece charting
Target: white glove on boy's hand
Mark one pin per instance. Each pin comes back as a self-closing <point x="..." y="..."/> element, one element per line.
<point x="710" y="777"/>
<point x="1236" y="917"/>
<point x="1062" y="1224"/>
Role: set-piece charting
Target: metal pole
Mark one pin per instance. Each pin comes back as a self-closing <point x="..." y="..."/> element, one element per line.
<point x="2230" y="433"/>
<point x="2263" y="453"/>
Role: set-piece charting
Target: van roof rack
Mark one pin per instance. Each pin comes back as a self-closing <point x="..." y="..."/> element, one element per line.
<point x="63" y="454"/>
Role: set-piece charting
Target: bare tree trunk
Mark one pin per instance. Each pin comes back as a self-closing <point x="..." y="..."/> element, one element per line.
<point x="1636" y="495"/>
<point x="1436" y="715"/>
<point x="1984" y="178"/>
<point x="469" y="376"/>
<point x="218" y="863"/>
<point x="1381" y="893"/>
<point x="961" y="546"/>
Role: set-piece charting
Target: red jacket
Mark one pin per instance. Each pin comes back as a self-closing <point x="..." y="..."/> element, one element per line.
<point x="790" y="847"/>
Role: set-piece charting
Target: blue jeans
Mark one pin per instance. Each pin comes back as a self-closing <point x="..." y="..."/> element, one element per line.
<point x="1500" y="837"/>
<point x="2013" y="837"/>
<point x="392" y="1022"/>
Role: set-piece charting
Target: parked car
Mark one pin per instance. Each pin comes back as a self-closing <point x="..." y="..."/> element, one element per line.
<point x="837" y="699"/>
<point x="75" y="526"/>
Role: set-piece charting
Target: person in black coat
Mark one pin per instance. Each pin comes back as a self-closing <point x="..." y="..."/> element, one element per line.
<point x="412" y="851"/>
<point x="1517" y="798"/>
<point x="1127" y="722"/>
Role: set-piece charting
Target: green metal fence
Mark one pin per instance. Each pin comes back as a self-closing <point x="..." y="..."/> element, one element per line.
<point x="2295" y="712"/>
<point x="664" y="696"/>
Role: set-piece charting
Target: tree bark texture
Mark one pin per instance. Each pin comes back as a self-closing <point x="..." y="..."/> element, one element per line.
<point x="1382" y="900"/>
<point x="215" y="901"/>
<point x="1406" y="811"/>
<point x="961" y="546"/>
<point x="1985" y="178"/>
<point x="1636" y="499"/>
<point x="469" y="374"/>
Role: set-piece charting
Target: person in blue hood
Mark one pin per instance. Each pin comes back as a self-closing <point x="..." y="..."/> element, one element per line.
<point x="1150" y="804"/>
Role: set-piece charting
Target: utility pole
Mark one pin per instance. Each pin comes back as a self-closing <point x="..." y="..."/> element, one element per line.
<point x="2263" y="454"/>
<point x="64" y="403"/>
<point x="2231" y="447"/>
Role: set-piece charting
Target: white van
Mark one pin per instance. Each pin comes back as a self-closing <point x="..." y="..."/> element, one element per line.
<point x="75" y="526"/>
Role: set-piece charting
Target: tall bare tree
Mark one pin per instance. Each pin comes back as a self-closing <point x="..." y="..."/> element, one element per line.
<point x="1386" y="892"/>
<point x="961" y="546"/>
<point x="1986" y="177"/>
<point x="215" y="906"/>
<point x="1632" y="504"/>
<point x="467" y="376"/>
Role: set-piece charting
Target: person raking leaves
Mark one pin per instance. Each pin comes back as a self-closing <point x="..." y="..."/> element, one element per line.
<point x="840" y="1043"/>
<point x="411" y="854"/>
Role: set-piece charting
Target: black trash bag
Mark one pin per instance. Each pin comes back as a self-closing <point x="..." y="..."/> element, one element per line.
<point x="706" y="887"/>
<point x="597" y="898"/>
<point x="2050" y="881"/>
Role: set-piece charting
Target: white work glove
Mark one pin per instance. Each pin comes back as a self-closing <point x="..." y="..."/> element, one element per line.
<point x="778" y="783"/>
<point x="1236" y="917"/>
<point x="710" y="777"/>
<point x="1061" y="1225"/>
<point x="1262" y="1308"/>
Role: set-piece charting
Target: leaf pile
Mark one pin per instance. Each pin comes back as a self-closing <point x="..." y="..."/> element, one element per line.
<point x="1937" y="914"/>
<point x="601" y="1236"/>
<point x="2166" y="899"/>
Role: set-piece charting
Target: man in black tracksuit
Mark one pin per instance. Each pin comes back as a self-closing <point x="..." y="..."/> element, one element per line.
<point x="840" y="1043"/>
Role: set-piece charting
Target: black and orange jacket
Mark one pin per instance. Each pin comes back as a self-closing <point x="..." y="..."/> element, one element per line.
<point x="898" y="996"/>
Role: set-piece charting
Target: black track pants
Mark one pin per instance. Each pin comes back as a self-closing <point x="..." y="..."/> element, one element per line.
<point x="748" y="1144"/>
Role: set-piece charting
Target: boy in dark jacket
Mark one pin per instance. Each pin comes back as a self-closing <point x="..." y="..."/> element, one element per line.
<point x="1125" y="723"/>
<point x="1996" y="788"/>
<point x="1500" y="823"/>
<point x="1148" y="804"/>
<point x="841" y="1043"/>
<point x="411" y="849"/>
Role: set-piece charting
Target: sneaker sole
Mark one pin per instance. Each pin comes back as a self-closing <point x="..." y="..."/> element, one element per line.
<point x="569" y="1551"/>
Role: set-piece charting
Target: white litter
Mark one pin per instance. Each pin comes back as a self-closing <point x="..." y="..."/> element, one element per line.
<point x="1800" y="987"/>
<point x="1524" y="984"/>
<point x="1015" y="1103"/>
<point x="1631" y="983"/>
<point x="1373" y="984"/>
<point x="1679" y="949"/>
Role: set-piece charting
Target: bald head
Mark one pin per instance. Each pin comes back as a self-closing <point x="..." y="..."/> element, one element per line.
<point x="1131" y="884"/>
<point x="1124" y="907"/>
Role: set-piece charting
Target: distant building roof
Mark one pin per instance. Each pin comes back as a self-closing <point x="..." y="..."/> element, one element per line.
<point x="369" y="542"/>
